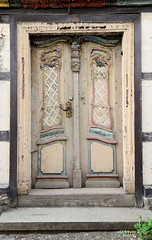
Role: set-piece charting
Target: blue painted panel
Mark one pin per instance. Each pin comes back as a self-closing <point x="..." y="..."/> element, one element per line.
<point x="101" y="132"/>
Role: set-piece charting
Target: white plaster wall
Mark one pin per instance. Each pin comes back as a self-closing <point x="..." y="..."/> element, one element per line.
<point x="4" y="164"/>
<point x="4" y="48"/>
<point x="147" y="163"/>
<point x="147" y="95"/>
<point x="147" y="42"/>
<point x="4" y="105"/>
<point x="147" y="106"/>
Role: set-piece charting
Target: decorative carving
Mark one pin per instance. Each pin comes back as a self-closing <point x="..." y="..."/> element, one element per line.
<point x="76" y="41"/>
<point x="47" y="43"/>
<point x="51" y="133"/>
<point x="100" y="63"/>
<point x="75" y="62"/>
<point x="102" y="41"/>
<point x="51" y="68"/>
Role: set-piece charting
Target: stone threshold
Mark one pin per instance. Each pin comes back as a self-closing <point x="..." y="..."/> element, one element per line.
<point x="84" y="197"/>
<point x="71" y="219"/>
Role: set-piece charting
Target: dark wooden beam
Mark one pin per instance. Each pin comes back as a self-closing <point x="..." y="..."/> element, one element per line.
<point x="4" y="76"/>
<point x="13" y="115"/>
<point x="147" y="76"/>
<point x="147" y="137"/>
<point x="138" y="113"/>
<point x="4" y="136"/>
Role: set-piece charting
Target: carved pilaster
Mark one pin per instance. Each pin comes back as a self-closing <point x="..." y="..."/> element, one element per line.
<point x="75" y="58"/>
<point x="75" y="66"/>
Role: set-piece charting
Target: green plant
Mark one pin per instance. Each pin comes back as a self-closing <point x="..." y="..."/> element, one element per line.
<point x="125" y="232"/>
<point x="144" y="230"/>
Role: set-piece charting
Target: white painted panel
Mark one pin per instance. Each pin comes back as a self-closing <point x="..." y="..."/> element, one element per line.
<point x="4" y="105"/>
<point x="101" y="157"/>
<point x="147" y="163"/>
<point x="147" y="42"/>
<point x="4" y="163"/>
<point x="52" y="158"/>
<point x="146" y="103"/>
<point x="4" y="48"/>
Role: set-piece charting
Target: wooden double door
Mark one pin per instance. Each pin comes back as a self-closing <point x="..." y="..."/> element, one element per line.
<point x="76" y="112"/>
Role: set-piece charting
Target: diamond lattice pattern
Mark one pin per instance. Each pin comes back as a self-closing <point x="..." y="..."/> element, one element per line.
<point x="51" y="114"/>
<point x="101" y="112"/>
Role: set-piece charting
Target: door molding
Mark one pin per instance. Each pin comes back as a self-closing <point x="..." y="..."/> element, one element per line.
<point x="24" y="30"/>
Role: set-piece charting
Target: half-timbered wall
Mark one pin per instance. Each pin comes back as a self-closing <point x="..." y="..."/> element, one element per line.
<point x="146" y="73"/>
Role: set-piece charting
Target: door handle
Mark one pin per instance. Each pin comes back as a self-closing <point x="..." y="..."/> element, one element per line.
<point x="67" y="109"/>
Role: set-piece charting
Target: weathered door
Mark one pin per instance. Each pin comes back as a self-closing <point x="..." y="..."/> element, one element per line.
<point x="76" y="112"/>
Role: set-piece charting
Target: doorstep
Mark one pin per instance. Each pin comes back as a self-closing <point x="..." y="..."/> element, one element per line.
<point x="84" y="197"/>
<point x="71" y="219"/>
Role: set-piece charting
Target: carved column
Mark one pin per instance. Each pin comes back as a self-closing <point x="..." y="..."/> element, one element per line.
<point x="75" y="65"/>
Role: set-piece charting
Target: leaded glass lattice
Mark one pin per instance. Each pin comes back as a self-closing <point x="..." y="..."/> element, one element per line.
<point x="100" y="63"/>
<point x="51" y="73"/>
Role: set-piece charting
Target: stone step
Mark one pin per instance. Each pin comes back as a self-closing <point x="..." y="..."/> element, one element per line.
<point x="85" y="197"/>
<point x="71" y="219"/>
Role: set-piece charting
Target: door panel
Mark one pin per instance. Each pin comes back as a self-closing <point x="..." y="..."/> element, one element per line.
<point x="53" y="141"/>
<point x="99" y="117"/>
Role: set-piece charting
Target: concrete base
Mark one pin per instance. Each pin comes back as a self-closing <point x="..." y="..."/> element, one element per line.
<point x="51" y="183"/>
<point x="102" y="183"/>
<point x="71" y="219"/>
<point x="77" y="178"/>
<point x="84" y="197"/>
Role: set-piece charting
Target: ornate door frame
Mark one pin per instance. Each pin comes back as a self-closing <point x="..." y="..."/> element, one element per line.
<point x="25" y="29"/>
